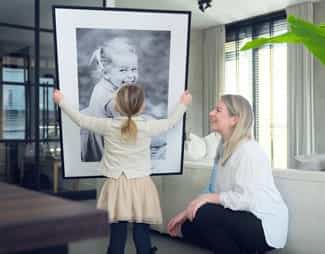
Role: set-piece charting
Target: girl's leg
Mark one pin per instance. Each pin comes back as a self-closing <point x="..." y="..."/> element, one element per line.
<point x="141" y="238"/>
<point x="118" y="238"/>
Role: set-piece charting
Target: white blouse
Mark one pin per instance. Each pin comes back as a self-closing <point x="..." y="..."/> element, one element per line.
<point x="246" y="183"/>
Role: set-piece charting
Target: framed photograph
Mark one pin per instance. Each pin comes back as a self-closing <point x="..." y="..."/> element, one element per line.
<point x="98" y="50"/>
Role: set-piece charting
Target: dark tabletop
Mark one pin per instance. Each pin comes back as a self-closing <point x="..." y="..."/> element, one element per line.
<point x="30" y="220"/>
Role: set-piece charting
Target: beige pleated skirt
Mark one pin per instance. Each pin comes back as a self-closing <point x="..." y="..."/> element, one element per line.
<point x="132" y="200"/>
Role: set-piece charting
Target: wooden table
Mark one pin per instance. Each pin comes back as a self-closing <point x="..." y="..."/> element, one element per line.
<point x="31" y="220"/>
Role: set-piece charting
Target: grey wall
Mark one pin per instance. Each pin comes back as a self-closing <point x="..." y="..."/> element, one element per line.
<point x="319" y="79"/>
<point x="194" y="121"/>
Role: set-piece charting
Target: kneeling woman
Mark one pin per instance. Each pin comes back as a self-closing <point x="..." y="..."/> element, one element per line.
<point x="243" y="212"/>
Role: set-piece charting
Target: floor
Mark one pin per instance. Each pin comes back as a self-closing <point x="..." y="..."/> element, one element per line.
<point x="164" y="244"/>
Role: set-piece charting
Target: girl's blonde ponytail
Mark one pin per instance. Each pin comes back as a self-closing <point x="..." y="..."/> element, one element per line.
<point x="129" y="102"/>
<point x="129" y="130"/>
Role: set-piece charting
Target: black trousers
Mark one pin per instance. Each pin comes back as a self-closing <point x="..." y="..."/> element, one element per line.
<point x="118" y="236"/>
<point x="225" y="231"/>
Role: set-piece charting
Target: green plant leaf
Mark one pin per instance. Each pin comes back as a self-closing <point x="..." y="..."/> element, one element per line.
<point x="310" y="35"/>
<point x="283" y="38"/>
<point x="304" y="28"/>
<point x="317" y="50"/>
<point x="313" y="36"/>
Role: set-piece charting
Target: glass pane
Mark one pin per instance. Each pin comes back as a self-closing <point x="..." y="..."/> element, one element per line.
<point x="16" y="52"/>
<point x="8" y="12"/>
<point x="47" y="59"/>
<point x="245" y="75"/>
<point x="13" y="60"/>
<point x="47" y="150"/>
<point x="49" y="81"/>
<point x="17" y="75"/>
<point x="238" y="70"/>
<point x="17" y="56"/>
<point x="51" y="149"/>
<point x="11" y="170"/>
<point x="26" y="164"/>
<point x="13" y="112"/>
<point x="46" y="9"/>
<point x="48" y="126"/>
<point x="46" y="102"/>
<point x="13" y="45"/>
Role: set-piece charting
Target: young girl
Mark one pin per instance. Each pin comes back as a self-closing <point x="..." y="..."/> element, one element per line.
<point x="128" y="194"/>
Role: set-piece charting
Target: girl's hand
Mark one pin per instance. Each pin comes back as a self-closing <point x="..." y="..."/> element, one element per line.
<point x="186" y="98"/>
<point x="57" y="96"/>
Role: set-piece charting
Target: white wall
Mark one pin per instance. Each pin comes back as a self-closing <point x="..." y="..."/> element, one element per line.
<point x="319" y="79"/>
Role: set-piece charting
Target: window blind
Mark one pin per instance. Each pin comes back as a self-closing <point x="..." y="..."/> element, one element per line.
<point x="260" y="76"/>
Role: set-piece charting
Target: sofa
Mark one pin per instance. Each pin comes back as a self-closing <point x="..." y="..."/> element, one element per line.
<point x="301" y="189"/>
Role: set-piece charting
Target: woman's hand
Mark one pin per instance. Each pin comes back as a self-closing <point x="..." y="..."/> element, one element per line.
<point x="57" y="96"/>
<point x="201" y="200"/>
<point x="186" y="98"/>
<point x="175" y="223"/>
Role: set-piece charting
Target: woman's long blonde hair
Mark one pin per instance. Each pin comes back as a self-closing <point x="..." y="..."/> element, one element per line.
<point x="129" y="102"/>
<point x="237" y="106"/>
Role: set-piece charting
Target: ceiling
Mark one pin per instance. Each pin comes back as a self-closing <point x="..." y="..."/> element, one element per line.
<point x="221" y="12"/>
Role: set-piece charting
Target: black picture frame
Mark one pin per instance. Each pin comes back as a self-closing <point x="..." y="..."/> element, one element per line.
<point x="90" y="23"/>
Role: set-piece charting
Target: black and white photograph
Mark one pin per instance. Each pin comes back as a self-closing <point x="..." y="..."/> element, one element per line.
<point x="100" y="50"/>
<point x="107" y="59"/>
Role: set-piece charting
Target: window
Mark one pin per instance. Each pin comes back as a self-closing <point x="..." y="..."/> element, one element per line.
<point x="260" y="75"/>
<point x="49" y="128"/>
<point x="27" y="55"/>
<point x="14" y="77"/>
